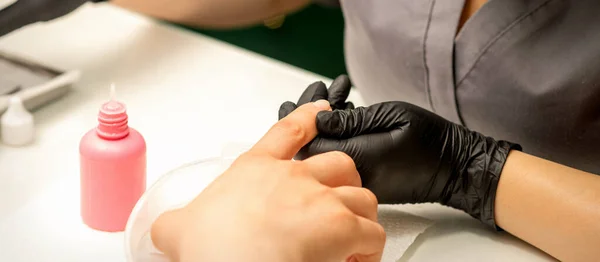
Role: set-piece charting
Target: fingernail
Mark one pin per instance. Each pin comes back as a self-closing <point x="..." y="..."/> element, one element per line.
<point x="322" y="104"/>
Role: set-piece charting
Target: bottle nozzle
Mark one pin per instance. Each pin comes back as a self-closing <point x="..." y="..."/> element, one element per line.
<point x="112" y="118"/>
<point x="113" y="106"/>
<point x="113" y="93"/>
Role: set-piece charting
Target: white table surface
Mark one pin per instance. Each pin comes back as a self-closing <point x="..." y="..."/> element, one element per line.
<point x="187" y="94"/>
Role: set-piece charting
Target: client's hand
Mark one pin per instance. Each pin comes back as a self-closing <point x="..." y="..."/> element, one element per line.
<point x="266" y="207"/>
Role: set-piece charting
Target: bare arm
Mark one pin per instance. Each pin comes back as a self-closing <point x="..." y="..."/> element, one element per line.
<point x="553" y="207"/>
<point x="213" y="13"/>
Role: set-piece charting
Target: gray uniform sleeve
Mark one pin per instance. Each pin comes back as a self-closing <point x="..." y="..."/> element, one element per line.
<point x="25" y="12"/>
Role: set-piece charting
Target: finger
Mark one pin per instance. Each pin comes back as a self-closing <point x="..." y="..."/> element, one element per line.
<point x="362" y="120"/>
<point x="368" y="258"/>
<point x="291" y="133"/>
<point x="353" y="147"/>
<point x="339" y="91"/>
<point x="286" y="108"/>
<point x="360" y="149"/>
<point x="343" y="174"/>
<point x="349" y="105"/>
<point x="360" y="201"/>
<point x="314" y="92"/>
<point x="369" y="241"/>
<point x="165" y="230"/>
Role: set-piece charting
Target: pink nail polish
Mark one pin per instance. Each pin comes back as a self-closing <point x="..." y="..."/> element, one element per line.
<point x="113" y="169"/>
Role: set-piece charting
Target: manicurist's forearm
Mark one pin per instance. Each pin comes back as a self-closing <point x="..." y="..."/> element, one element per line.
<point x="213" y="13"/>
<point x="551" y="206"/>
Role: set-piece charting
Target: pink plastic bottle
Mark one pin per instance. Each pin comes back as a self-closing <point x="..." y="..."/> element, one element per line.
<point x="113" y="169"/>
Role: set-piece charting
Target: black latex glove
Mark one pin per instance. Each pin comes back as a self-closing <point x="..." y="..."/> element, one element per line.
<point x="336" y="95"/>
<point x="406" y="154"/>
<point x="25" y="12"/>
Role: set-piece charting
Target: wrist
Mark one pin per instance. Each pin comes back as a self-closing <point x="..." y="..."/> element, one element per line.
<point x="477" y="175"/>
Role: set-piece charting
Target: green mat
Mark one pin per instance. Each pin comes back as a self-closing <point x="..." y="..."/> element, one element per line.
<point x="311" y="39"/>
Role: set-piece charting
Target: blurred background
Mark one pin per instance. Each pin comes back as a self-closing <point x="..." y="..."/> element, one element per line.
<point x="311" y="39"/>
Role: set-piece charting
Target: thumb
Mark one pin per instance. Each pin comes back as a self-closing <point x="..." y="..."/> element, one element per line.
<point x="377" y="118"/>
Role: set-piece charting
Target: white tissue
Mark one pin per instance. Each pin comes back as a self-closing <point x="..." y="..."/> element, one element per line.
<point x="401" y="230"/>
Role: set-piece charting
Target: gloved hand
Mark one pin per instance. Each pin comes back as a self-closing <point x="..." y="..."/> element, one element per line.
<point x="406" y="154"/>
<point x="25" y="12"/>
<point x="336" y="95"/>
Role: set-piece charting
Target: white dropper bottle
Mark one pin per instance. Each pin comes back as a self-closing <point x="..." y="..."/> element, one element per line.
<point x="17" y="124"/>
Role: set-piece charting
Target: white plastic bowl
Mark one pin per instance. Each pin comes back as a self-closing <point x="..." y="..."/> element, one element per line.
<point x="173" y="190"/>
